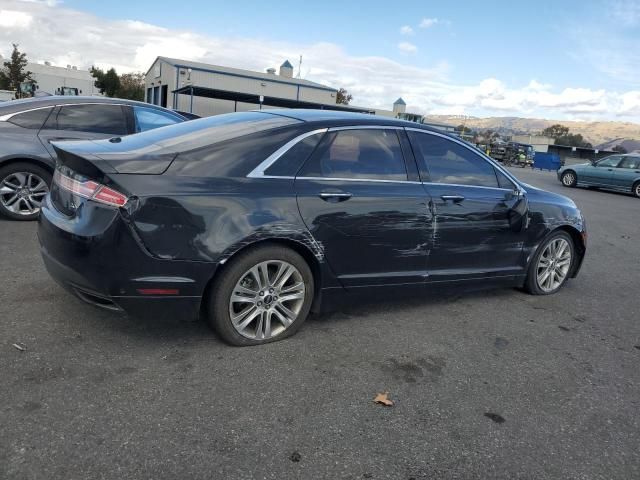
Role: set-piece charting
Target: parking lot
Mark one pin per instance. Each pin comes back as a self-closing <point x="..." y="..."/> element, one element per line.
<point x="494" y="384"/>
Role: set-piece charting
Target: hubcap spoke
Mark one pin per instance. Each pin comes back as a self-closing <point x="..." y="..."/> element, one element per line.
<point x="22" y="192"/>
<point x="553" y="265"/>
<point x="256" y="305"/>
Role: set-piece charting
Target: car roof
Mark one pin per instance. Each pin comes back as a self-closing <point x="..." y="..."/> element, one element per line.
<point x="338" y="117"/>
<point x="15" y="106"/>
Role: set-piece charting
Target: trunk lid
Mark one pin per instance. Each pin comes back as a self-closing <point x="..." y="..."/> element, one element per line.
<point x="126" y="155"/>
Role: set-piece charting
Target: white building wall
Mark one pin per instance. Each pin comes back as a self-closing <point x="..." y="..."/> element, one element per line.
<point x="49" y="78"/>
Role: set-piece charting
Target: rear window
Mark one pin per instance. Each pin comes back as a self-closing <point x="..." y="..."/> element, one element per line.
<point x="205" y="132"/>
<point x="33" y="119"/>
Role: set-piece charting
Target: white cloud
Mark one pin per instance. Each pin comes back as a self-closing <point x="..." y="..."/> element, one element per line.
<point x="428" y="22"/>
<point x="14" y="19"/>
<point x="406" y="30"/>
<point x="406" y="47"/>
<point x="66" y="36"/>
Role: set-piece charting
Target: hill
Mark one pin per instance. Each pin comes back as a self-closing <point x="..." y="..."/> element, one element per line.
<point x="597" y="133"/>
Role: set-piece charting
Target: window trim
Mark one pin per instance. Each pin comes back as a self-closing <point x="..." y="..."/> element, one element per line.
<point x="483" y="156"/>
<point x="258" y="172"/>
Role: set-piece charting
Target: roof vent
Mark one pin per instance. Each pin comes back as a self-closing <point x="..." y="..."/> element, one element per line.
<point x="47" y="63"/>
<point x="271" y="71"/>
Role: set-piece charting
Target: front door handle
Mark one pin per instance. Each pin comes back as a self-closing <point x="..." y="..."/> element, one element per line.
<point x="335" y="196"/>
<point x="453" y="198"/>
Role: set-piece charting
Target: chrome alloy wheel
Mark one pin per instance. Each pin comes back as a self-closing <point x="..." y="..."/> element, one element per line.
<point x="553" y="265"/>
<point x="22" y="192"/>
<point x="267" y="299"/>
<point x="568" y="179"/>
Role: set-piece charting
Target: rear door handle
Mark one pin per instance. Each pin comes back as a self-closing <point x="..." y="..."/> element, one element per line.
<point x="453" y="198"/>
<point x="335" y="196"/>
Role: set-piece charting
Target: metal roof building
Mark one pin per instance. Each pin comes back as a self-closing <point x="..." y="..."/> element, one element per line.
<point x="206" y="89"/>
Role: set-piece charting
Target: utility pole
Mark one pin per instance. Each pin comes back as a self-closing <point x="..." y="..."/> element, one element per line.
<point x="299" y="66"/>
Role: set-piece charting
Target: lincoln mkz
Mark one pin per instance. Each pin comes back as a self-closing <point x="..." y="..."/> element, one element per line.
<point x="254" y="219"/>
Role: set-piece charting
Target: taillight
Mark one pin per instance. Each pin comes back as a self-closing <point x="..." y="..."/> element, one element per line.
<point x="90" y="189"/>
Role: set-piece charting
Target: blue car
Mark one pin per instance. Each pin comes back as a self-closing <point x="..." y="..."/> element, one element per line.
<point x="616" y="172"/>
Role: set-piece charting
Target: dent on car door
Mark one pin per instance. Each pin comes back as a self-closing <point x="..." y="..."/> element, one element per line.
<point x="83" y="122"/>
<point x="480" y="214"/>
<point x="356" y="199"/>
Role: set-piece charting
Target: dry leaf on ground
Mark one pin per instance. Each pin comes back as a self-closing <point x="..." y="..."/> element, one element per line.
<point x="382" y="399"/>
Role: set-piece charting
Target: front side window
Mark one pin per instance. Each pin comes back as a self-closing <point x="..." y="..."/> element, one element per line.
<point x="96" y="118"/>
<point x="148" y="119"/>
<point x="609" y="161"/>
<point x="367" y="154"/>
<point x="445" y="161"/>
<point x="630" y="162"/>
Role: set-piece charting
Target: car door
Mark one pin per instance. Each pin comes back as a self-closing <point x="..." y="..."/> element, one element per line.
<point x="90" y="121"/>
<point x="600" y="173"/>
<point x="479" y="213"/>
<point x="359" y="203"/>
<point x="626" y="173"/>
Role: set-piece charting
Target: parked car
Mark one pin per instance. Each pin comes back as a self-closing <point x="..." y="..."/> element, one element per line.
<point x="616" y="172"/>
<point x="255" y="218"/>
<point x="27" y="128"/>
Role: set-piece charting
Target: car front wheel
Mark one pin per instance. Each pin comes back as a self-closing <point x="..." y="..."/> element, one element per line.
<point x="551" y="265"/>
<point x="23" y="186"/>
<point x="263" y="295"/>
<point x="569" y="179"/>
<point x="636" y="189"/>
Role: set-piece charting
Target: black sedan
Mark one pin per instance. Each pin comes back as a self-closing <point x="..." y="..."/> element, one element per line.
<point x="27" y="128"/>
<point x="253" y="219"/>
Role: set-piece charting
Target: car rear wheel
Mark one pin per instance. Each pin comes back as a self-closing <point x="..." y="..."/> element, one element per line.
<point x="569" y="178"/>
<point x="23" y="186"/>
<point x="262" y="296"/>
<point x="636" y="189"/>
<point x="551" y="265"/>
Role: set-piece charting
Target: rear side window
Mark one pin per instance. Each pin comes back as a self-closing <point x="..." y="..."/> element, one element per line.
<point x="148" y="119"/>
<point x="97" y="118"/>
<point x="366" y="154"/>
<point x="445" y="161"/>
<point x="33" y="119"/>
<point x="630" y="162"/>
<point x="289" y="163"/>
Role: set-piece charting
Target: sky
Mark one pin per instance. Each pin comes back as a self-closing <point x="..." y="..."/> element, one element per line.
<point x="557" y="59"/>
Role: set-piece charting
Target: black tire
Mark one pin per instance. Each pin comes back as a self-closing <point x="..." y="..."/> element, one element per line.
<point x="531" y="284"/>
<point x="636" y="189"/>
<point x="218" y="312"/>
<point x="6" y="173"/>
<point x="569" y="178"/>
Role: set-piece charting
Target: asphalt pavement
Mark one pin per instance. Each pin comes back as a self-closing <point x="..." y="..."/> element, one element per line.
<point x="487" y="385"/>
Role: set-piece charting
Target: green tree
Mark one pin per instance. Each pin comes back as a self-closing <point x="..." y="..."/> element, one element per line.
<point x="555" y="131"/>
<point x="562" y="136"/>
<point x="343" y="97"/>
<point x="131" y="86"/>
<point x="107" y="82"/>
<point x="13" y="72"/>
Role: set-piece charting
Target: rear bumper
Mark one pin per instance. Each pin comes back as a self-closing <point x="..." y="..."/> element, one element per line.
<point x="104" y="265"/>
